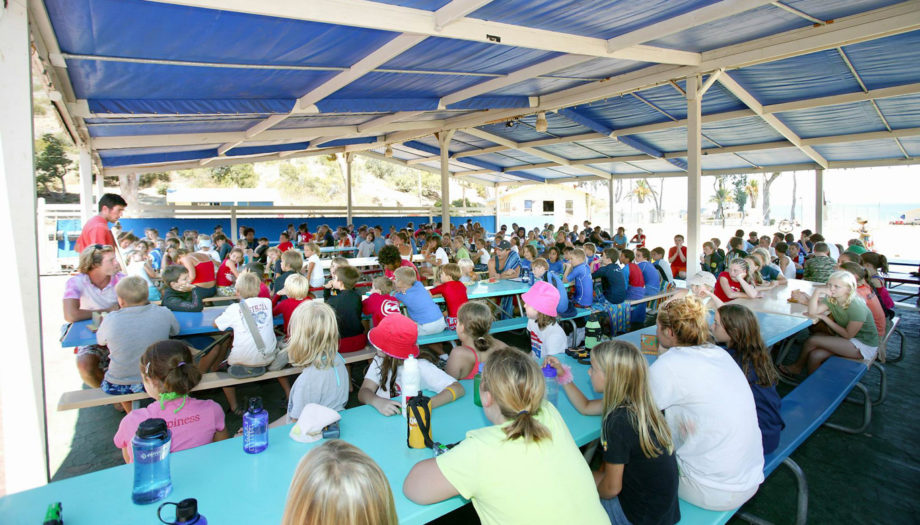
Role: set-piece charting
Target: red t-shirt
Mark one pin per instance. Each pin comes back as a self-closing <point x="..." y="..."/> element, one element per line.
<point x="285" y="246"/>
<point x="733" y="284"/>
<point x="95" y="231"/>
<point x="304" y="237"/>
<point x="454" y="293"/>
<point x="635" y="276"/>
<point x="286" y="309"/>
<point x="264" y="292"/>
<point x="224" y="276"/>
<point x="678" y="265"/>
<point x="379" y="306"/>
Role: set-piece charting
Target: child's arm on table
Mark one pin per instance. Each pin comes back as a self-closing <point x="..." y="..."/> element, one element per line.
<point x="387" y="407"/>
<point x="588" y="407"/>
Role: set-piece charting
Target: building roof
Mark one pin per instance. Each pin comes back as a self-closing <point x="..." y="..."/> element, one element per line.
<point x="798" y="84"/>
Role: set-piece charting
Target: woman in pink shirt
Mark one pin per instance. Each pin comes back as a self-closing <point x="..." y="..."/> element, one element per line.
<point x="169" y="374"/>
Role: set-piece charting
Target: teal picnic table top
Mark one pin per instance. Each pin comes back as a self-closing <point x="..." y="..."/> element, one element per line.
<point x="214" y="473"/>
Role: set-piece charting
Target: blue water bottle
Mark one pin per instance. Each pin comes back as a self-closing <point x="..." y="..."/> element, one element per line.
<point x="151" y="461"/>
<point x="186" y="513"/>
<point x="255" y="427"/>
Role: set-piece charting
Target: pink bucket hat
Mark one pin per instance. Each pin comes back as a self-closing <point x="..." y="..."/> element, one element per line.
<point x="543" y="297"/>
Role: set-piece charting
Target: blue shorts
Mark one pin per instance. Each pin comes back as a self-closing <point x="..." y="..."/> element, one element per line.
<point x="120" y="390"/>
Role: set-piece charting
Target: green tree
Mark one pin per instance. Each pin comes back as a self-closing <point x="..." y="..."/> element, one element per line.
<point x="51" y="163"/>
<point x="147" y="180"/>
<point x="721" y="197"/>
<point x="740" y="194"/>
<point x="238" y="175"/>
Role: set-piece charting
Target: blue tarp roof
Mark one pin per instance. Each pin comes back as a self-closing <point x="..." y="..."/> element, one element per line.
<point x="159" y="69"/>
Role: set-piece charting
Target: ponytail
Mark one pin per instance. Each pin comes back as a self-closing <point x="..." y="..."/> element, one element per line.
<point x="517" y="386"/>
<point x="170" y="363"/>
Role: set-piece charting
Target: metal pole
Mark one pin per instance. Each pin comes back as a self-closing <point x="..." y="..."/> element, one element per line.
<point x="22" y="402"/>
<point x="694" y="173"/>
<point x="349" y="157"/>
<point x="234" y="229"/>
<point x="86" y="184"/>
<point x="497" y="205"/>
<point x="444" y="142"/>
<point x="610" y="205"/>
<point x="819" y="200"/>
<point x="100" y="187"/>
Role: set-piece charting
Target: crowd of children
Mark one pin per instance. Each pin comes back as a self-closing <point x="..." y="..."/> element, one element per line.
<point x="694" y="425"/>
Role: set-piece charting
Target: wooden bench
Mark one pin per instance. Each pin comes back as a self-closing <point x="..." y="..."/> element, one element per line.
<point x="804" y="410"/>
<point x="96" y="397"/>
<point x="504" y="325"/>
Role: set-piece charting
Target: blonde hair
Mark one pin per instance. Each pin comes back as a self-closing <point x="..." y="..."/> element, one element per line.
<point x="297" y="286"/>
<point x="452" y="270"/>
<point x="383" y="285"/>
<point x="313" y="247"/>
<point x="293" y="259"/>
<point x="132" y="290"/>
<point x="340" y="261"/>
<point x="405" y="275"/>
<point x="465" y="265"/>
<point x="476" y="318"/>
<point x="579" y="253"/>
<point x="517" y="386"/>
<point x="92" y="255"/>
<point x="627" y="386"/>
<point x="686" y="317"/>
<point x="314" y="335"/>
<point x="247" y="285"/>
<point x="338" y="483"/>
<point x="541" y="262"/>
<point x="753" y="274"/>
<point x="846" y="279"/>
<point x="273" y="249"/>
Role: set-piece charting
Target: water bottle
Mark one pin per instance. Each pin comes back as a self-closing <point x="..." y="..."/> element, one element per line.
<point x="552" y="387"/>
<point x="255" y="427"/>
<point x="411" y="380"/>
<point x="476" y="380"/>
<point x="186" y="513"/>
<point x="151" y="461"/>
<point x="593" y="332"/>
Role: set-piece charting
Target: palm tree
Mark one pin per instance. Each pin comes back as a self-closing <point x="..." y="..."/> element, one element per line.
<point x="721" y="198"/>
<point x="753" y="190"/>
<point x="641" y="191"/>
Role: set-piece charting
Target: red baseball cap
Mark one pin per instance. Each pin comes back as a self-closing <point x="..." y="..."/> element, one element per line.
<point x="395" y="336"/>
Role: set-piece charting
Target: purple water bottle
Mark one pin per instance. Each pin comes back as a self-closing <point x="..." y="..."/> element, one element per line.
<point x="255" y="427"/>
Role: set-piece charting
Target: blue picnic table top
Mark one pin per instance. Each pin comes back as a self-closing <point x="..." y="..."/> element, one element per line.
<point x="190" y="323"/>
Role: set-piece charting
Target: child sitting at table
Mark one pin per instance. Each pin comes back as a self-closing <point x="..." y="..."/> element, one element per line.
<point x="347" y="305"/>
<point x="855" y="335"/>
<point x="769" y="272"/>
<point x="314" y="270"/>
<point x="712" y="261"/>
<point x="820" y="265"/>
<point x="736" y="329"/>
<point x="127" y="332"/>
<point x="635" y="286"/>
<point x="591" y="258"/>
<point x="467" y="273"/>
<point x="284" y="242"/>
<point x="291" y="263"/>
<point x="649" y="274"/>
<point x="736" y="251"/>
<point x="258" y="269"/>
<point x="296" y="290"/>
<point x="546" y="336"/>
<point x="169" y="375"/>
<point x="139" y="266"/>
<point x="864" y="291"/>
<point x="336" y="482"/>
<point x="454" y="292"/>
<point x="580" y="276"/>
<point x="228" y="271"/>
<point x="638" y="479"/>
<point x="876" y="265"/>
<point x="663" y="269"/>
<point x="254" y="344"/>
<point x="613" y="281"/>
<point x="395" y="339"/>
<point x="734" y="283"/>
<point x="420" y="307"/>
<point x="313" y="343"/>
<point x="701" y="285"/>
<point x="177" y="292"/>
<point x="541" y="272"/>
<point x="380" y="303"/>
<point x="786" y="265"/>
<point x="474" y="321"/>
<point x="528" y="440"/>
<point x="528" y="253"/>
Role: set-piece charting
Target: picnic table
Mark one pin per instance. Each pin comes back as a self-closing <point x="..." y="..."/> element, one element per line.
<point x="776" y="300"/>
<point x="212" y="472"/>
<point x="190" y="323"/>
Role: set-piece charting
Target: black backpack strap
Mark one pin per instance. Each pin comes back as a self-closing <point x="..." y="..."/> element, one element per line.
<point x="423" y="424"/>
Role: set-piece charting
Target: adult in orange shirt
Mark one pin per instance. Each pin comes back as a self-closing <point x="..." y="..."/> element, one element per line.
<point x="96" y="230"/>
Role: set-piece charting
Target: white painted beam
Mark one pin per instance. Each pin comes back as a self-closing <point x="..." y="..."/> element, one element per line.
<point x="374" y="15"/>
<point x="444" y="144"/>
<point x="694" y="172"/>
<point x="454" y="11"/>
<point x="86" y="184"/>
<point x="750" y="101"/>
<point x="22" y="402"/>
<point x="819" y="200"/>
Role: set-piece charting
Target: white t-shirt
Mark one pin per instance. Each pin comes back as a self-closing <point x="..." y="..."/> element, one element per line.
<point x="136" y="269"/>
<point x="834" y="251"/>
<point x="316" y="277"/>
<point x="483" y="257"/>
<point x="441" y="255"/>
<point x="326" y="386"/>
<point x="549" y="341"/>
<point x="244" y="351"/>
<point x="710" y="410"/>
<point x="789" y="272"/>
<point x="433" y="378"/>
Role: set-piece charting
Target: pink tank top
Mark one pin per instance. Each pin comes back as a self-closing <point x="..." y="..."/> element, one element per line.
<point x="475" y="369"/>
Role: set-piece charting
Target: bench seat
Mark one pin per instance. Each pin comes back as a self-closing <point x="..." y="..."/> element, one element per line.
<point x="96" y="397"/>
<point x="804" y="410"/>
<point x="504" y="325"/>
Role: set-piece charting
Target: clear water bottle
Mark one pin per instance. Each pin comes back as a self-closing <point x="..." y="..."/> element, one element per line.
<point x="552" y="387"/>
<point x="255" y="427"/>
<point x="151" y="462"/>
<point x="411" y="381"/>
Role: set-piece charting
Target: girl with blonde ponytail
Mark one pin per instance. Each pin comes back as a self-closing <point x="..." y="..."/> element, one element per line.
<point x="709" y="409"/>
<point x="637" y="481"/>
<point x="527" y="451"/>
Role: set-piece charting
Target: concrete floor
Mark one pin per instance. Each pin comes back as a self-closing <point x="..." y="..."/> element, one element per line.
<point x="873" y="477"/>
